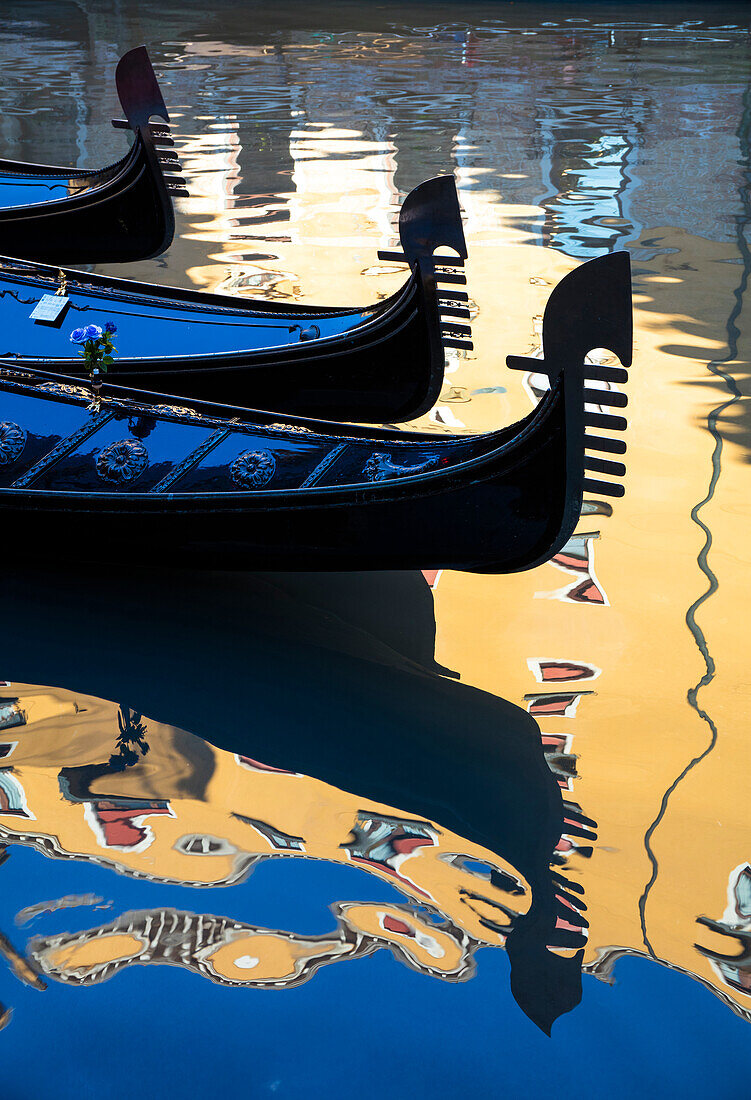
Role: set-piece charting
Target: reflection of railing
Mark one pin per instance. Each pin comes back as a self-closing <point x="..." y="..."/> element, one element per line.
<point x="233" y="953"/>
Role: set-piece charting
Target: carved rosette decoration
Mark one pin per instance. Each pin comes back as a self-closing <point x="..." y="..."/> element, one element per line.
<point x="12" y="441"/>
<point x="122" y="461"/>
<point x="253" y="469"/>
<point x="381" y="466"/>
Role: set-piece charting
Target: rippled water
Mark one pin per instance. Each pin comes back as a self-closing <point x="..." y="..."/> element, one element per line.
<point x="351" y="798"/>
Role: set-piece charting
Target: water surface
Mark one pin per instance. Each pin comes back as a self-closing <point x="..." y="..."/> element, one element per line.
<point x="392" y="830"/>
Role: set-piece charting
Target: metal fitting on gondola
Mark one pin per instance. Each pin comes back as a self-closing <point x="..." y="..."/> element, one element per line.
<point x="96" y="390"/>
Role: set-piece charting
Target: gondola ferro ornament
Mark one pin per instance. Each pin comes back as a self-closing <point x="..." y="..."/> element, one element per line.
<point x="116" y="214"/>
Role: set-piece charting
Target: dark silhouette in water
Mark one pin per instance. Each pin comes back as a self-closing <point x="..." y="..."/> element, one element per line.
<point x="329" y="675"/>
<point x="131" y="739"/>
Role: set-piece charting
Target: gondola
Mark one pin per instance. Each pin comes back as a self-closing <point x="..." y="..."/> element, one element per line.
<point x="208" y="484"/>
<point x="115" y="214"/>
<point x="383" y="363"/>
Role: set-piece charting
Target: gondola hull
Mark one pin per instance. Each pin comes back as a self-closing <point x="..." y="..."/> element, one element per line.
<point x="485" y="518"/>
<point x="117" y="214"/>
<point x="379" y="364"/>
<point x="222" y="487"/>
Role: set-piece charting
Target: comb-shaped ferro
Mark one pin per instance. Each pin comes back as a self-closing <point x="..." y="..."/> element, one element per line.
<point x="430" y="218"/>
<point x="605" y="420"/>
<point x="141" y="99"/>
<point x="608" y="444"/>
<point x="114" y="214"/>
<point x="169" y="161"/>
<point x="160" y="134"/>
<point x="590" y="308"/>
<point x="606" y="397"/>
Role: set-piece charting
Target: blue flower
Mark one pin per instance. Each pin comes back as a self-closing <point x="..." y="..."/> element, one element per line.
<point x="110" y="327"/>
<point x="77" y="336"/>
<point x="92" y="332"/>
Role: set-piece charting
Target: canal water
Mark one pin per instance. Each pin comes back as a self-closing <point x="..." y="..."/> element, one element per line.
<point x="417" y="835"/>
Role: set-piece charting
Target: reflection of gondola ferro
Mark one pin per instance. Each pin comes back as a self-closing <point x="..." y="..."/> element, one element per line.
<point x="195" y="833"/>
<point x="450" y="797"/>
<point x="203" y="840"/>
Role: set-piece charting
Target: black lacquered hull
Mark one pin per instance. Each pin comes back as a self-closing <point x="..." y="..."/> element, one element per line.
<point x="494" y="519"/>
<point x="379" y="365"/>
<point x="389" y="370"/>
<point x="119" y="221"/>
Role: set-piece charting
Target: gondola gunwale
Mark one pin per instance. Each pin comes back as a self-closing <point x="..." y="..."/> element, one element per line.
<point x="30" y="168"/>
<point x="44" y="274"/>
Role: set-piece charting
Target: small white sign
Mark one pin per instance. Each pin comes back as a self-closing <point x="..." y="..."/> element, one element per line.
<point x="50" y="308"/>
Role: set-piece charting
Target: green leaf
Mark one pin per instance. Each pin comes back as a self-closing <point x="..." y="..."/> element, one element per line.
<point x="108" y="359"/>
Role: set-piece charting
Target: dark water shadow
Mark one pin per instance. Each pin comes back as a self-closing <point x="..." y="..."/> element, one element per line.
<point x="330" y="675"/>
